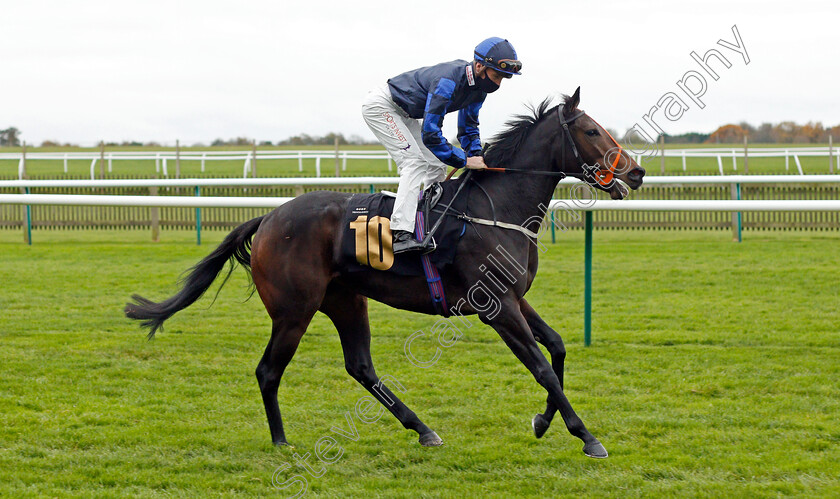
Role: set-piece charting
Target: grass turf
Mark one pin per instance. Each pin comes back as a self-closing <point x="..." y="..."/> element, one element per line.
<point x="713" y="372"/>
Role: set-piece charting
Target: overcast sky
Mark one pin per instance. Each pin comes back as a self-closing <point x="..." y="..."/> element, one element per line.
<point x="200" y="70"/>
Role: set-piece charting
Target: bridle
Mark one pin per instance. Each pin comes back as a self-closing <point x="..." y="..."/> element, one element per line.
<point x="603" y="176"/>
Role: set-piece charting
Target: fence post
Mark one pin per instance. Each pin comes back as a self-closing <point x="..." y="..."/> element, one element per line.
<point x="254" y="159"/>
<point x="736" y="216"/>
<point x="587" y="281"/>
<point x="65" y="162"/>
<point x="318" y="166"/>
<point x="23" y="175"/>
<point x="177" y="158"/>
<point x="830" y="155"/>
<point x="197" y="218"/>
<point x="337" y="171"/>
<point x="662" y="154"/>
<point x="155" y="214"/>
<point x="746" y="156"/>
<point x="101" y="159"/>
<point x="798" y="165"/>
<point x="27" y="226"/>
<point x="553" y="231"/>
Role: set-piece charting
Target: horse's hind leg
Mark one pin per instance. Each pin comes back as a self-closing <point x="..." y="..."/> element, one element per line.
<point x="291" y="288"/>
<point x="285" y="337"/>
<point x="552" y="341"/>
<point x="348" y="311"/>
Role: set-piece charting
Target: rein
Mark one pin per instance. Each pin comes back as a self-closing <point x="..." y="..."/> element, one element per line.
<point x="529" y="172"/>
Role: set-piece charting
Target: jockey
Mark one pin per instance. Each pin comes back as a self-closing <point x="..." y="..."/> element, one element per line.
<point x="406" y="115"/>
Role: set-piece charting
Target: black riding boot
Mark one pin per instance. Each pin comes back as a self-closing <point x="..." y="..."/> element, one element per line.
<point x="403" y="241"/>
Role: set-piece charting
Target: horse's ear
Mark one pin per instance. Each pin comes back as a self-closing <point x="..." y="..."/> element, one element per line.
<point x="571" y="103"/>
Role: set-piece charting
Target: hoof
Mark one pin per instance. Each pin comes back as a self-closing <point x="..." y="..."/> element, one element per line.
<point x="430" y="439"/>
<point x="596" y="450"/>
<point x="540" y="425"/>
<point x="281" y="443"/>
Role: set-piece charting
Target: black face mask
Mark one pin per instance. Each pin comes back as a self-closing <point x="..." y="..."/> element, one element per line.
<point x="487" y="85"/>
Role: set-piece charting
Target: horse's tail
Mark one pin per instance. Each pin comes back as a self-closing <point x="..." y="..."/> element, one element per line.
<point x="235" y="248"/>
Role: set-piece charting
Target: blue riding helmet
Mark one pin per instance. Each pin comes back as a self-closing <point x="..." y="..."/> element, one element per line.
<point x="498" y="54"/>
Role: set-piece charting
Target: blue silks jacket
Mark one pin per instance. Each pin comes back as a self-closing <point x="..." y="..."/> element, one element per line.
<point x="431" y="92"/>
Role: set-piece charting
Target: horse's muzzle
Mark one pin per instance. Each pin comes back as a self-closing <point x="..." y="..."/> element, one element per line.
<point x="634" y="177"/>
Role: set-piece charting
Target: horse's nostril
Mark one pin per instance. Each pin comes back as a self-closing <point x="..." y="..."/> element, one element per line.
<point x="636" y="174"/>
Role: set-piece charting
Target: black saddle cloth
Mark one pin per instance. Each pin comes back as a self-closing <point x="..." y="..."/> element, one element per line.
<point x="366" y="237"/>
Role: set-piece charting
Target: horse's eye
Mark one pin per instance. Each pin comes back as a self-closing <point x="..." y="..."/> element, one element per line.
<point x="592" y="133"/>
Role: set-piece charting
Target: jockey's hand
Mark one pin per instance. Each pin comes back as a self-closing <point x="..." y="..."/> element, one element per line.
<point x="475" y="163"/>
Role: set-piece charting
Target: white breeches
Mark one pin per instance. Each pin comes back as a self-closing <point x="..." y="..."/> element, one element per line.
<point x="403" y="139"/>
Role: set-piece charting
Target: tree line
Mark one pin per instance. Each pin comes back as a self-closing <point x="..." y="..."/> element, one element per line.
<point x="786" y="132"/>
<point x="769" y="133"/>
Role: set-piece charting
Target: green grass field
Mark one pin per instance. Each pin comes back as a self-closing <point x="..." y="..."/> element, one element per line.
<point x="714" y="372"/>
<point x="363" y="167"/>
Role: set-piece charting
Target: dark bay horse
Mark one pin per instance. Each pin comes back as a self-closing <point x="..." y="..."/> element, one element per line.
<point x="294" y="263"/>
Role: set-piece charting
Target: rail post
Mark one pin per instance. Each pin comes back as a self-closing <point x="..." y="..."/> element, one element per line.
<point x="23" y="174"/>
<point x="662" y="154"/>
<point x="155" y="216"/>
<point x="27" y="234"/>
<point x="337" y="171"/>
<point x="736" y="216"/>
<point x="553" y="236"/>
<point x="197" y="218"/>
<point x="177" y="158"/>
<point x="254" y="159"/>
<point x="101" y="159"/>
<point x="830" y="155"/>
<point x="587" y="281"/>
<point x="746" y="156"/>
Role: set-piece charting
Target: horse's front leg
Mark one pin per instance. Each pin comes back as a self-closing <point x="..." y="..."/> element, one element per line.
<point x="512" y="326"/>
<point x="552" y="341"/>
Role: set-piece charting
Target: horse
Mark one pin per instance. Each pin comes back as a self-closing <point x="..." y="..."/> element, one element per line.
<point x="292" y="256"/>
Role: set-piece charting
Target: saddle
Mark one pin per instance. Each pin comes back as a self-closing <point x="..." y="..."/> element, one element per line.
<point x="366" y="237"/>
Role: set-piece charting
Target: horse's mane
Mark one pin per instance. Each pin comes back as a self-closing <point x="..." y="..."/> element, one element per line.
<point x="504" y="146"/>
